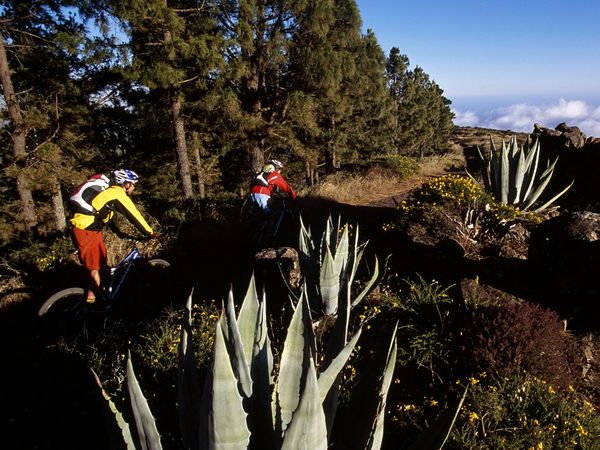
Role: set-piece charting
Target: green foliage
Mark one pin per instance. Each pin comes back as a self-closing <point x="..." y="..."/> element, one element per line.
<point x="513" y="174"/>
<point x="42" y="256"/>
<point x="423" y="116"/>
<point x="524" y="412"/>
<point x="422" y="313"/>
<point x="403" y="166"/>
<point x="157" y="350"/>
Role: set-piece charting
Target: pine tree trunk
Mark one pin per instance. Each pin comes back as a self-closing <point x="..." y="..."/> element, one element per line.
<point x="199" y="170"/>
<point x="19" y="146"/>
<point x="59" y="208"/>
<point x="181" y="147"/>
<point x="257" y="157"/>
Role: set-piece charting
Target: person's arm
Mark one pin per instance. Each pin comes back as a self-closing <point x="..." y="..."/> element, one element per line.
<point x="279" y="181"/>
<point x="125" y="206"/>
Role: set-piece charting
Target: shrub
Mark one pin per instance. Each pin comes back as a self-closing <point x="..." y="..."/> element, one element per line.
<point x="524" y="412"/>
<point x="42" y="256"/>
<point x="456" y="189"/>
<point x="403" y="166"/>
<point x="157" y="350"/>
<point x="422" y="315"/>
<point x="511" y="338"/>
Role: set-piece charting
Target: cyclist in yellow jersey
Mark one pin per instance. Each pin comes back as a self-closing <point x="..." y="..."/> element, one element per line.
<point x="87" y="228"/>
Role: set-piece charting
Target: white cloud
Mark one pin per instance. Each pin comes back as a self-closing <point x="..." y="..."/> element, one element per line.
<point x="466" y="118"/>
<point x="522" y="116"/>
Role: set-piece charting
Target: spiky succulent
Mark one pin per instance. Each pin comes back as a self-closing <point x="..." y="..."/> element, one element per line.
<point x="329" y="267"/>
<point x="513" y="174"/>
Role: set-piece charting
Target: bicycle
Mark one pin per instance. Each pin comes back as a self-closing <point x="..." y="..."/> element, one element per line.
<point x="263" y="229"/>
<point x="70" y="303"/>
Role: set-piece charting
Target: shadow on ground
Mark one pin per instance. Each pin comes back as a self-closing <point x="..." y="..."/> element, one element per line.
<point x="51" y="401"/>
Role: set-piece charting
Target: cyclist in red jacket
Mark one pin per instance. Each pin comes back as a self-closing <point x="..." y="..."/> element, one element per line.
<point x="266" y="181"/>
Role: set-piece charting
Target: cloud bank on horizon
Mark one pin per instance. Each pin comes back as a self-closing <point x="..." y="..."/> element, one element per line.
<point x="522" y="116"/>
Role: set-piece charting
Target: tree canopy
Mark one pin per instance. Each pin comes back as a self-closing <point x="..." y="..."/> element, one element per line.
<point x="195" y="96"/>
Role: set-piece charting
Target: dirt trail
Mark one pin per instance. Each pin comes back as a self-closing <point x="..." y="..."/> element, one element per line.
<point x="430" y="168"/>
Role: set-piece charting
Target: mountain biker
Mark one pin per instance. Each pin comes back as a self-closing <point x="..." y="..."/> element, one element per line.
<point x="269" y="179"/>
<point x="87" y="227"/>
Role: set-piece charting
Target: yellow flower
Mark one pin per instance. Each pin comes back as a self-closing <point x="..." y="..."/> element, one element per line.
<point x="473" y="417"/>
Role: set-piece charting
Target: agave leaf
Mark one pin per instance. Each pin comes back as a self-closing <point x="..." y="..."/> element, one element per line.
<point x="294" y="362"/>
<point x="144" y="420"/>
<point x="367" y="404"/>
<point x="307" y="430"/>
<point x="306" y="243"/>
<point x="225" y="425"/>
<point x="495" y="168"/>
<point x="377" y="435"/>
<point x="533" y="159"/>
<point x="121" y="423"/>
<point x="248" y="319"/>
<point x="337" y="341"/>
<point x="358" y="251"/>
<point x="328" y="376"/>
<point x="241" y="368"/>
<point x="542" y="183"/>
<point x="342" y="248"/>
<point x="436" y="436"/>
<point x="370" y="285"/>
<point x="485" y="170"/>
<point x="553" y="199"/>
<point x="504" y="174"/>
<point x="329" y="282"/>
<point x="188" y="386"/>
<point x="520" y="165"/>
<point x="262" y="374"/>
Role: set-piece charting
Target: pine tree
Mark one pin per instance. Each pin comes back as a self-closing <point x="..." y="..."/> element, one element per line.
<point x="175" y="49"/>
<point x="330" y="66"/>
<point x="373" y="119"/>
<point x="44" y="67"/>
<point x="423" y="116"/>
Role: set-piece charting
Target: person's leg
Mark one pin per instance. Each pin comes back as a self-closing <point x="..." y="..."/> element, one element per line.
<point x="92" y="253"/>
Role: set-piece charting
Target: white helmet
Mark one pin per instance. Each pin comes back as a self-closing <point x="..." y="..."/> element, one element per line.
<point x="125" y="175"/>
<point x="277" y="164"/>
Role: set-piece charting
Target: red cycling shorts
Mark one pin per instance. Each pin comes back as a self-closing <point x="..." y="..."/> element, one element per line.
<point x="92" y="251"/>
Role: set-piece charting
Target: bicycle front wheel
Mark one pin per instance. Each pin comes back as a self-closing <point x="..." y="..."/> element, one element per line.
<point x="68" y="302"/>
<point x="157" y="262"/>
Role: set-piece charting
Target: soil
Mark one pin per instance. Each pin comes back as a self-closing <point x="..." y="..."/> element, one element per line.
<point x="51" y="401"/>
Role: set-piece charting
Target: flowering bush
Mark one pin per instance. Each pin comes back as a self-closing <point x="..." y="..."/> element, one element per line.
<point x="456" y="189"/>
<point x="524" y="412"/>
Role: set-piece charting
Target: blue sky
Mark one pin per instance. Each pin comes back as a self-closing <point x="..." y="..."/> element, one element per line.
<point x="504" y="64"/>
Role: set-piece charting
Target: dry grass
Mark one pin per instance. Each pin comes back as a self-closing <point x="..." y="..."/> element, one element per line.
<point x="118" y="247"/>
<point x="379" y="187"/>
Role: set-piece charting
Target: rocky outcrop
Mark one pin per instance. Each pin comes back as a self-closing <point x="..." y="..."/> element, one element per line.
<point x="566" y="250"/>
<point x="579" y="161"/>
<point x="561" y="136"/>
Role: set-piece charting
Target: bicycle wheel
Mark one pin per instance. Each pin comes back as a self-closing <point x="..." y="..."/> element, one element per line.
<point x="68" y="302"/>
<point x="157" y="262"/>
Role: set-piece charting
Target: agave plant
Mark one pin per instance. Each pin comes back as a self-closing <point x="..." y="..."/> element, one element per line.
<point x="329" y="267"/>
<point x="513" y="175"/>
<point x="246" y="403"/>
